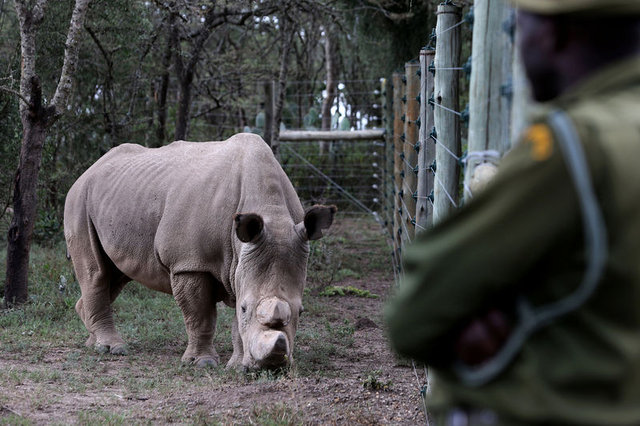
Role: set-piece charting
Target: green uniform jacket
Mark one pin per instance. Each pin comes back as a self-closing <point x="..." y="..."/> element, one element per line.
<point x="524" y="235"/>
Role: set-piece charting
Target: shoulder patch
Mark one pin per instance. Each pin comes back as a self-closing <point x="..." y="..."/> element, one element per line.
<point x="541" y="140"/>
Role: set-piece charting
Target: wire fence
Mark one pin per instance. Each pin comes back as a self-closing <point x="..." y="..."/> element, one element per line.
<point x="339" y="172"/>
<point x="431" y="155"/>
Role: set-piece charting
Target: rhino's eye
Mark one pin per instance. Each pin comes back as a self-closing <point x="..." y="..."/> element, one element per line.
<point x="244" y="309"/>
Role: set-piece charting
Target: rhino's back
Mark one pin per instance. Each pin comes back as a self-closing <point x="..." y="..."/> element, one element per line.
<point x="169" y="209"/>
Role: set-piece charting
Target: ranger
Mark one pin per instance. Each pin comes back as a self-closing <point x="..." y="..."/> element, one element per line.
<point x="526" y="301"/>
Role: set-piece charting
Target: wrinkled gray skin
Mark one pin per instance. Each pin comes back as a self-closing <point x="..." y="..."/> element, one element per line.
<point x="206" y="222"/>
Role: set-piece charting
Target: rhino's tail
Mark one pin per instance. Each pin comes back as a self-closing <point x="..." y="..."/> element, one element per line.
<point x="67" y="250"/>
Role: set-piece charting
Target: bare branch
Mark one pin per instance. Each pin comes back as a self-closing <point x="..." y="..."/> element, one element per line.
<point x="18" y="94"/>
<point x="394" y="16"/>
<point x="63" y="91"/>
<point x="288" y="33"/>
<point x="134" y="89"/>
<point x="96" y="40"/>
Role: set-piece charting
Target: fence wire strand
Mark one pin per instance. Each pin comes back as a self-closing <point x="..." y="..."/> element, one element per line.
<point x="329" y="180"/>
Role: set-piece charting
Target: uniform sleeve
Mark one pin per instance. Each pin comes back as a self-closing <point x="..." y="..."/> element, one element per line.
<point x="461" y="267"/>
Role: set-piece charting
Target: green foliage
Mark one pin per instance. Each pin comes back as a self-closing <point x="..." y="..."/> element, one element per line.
<point x="337" y="290"/>
<point x="9" y="154"/>
<point x="373" y="382"/>
<point x="341" y="334"/>
<point x="396" y="31"/>
<point x="48" y="228"/>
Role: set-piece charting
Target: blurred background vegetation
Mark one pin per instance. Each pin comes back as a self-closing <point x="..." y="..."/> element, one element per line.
<point x="134" y="67"/>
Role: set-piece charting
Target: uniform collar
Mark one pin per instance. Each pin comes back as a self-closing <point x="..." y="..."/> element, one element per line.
<point x="621" y="74"/>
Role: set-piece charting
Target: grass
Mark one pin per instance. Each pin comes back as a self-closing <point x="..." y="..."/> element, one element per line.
<point x="100" y="416"/>
<point x="49" y="318"/>
<point x="150" y="321"/>
<point x="274" y="415"/>
<point x="348" y="252"/>
<point x="47" y="332"/>
<point x="349" y="290"/>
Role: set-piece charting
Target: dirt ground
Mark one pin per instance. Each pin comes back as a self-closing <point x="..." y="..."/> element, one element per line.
<point x="355" y="380"/>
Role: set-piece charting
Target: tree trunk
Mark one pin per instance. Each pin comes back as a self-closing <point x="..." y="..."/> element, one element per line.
<point x="289" y="32"/>
<point x="36" y="118"/>
<point x="34" y="123"/>
<point x="161" y="130"/>
<point x="186" y="71"/>
<point x="184" y="104"/>
<point x="331" y="67"/>
<point x="330" y="57"/>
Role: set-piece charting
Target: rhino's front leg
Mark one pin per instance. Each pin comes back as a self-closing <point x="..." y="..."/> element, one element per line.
<point x="238" y="351"/>
<point x="194" y="293"/>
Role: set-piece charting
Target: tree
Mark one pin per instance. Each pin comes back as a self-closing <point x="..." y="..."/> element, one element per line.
<point x="288" y="31"/>
<point x="196" y="39"/>
<point x="36" y="117"/>
<point x="331" y="64"/>
<point x="146" y="69"/>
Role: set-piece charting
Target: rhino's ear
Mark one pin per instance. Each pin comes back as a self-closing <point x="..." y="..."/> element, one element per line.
<point x="248" y="226"/>
<point x="318" y="218"/>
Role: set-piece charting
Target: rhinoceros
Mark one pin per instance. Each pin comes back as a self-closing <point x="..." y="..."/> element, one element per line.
<point x="207" y="222"/>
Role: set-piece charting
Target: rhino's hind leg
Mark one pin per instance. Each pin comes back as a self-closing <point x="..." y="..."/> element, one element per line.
<point x="94" y="309"/>
<point x="100" y="282"/>
<point x="195" y="294"/>
<point x="97" y="316"/>
<point x="112" y="342"/>
<point x="91" y="340"/>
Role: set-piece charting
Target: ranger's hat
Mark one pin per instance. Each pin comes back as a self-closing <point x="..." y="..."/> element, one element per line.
<point x="581" y="7"/>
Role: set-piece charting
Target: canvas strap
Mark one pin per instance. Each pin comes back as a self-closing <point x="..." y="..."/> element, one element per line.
<point x="531" y="319"/>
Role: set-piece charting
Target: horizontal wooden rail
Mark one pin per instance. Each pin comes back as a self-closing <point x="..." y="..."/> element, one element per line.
<point x="331" y="135"/>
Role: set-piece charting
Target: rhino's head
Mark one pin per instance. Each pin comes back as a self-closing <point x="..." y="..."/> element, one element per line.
<point x="269" y="281"/>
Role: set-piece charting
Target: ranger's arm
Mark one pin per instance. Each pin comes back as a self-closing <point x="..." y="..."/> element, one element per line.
<point x="462" y="267"/>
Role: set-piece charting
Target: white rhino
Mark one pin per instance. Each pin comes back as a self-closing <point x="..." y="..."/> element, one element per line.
<point x="206" y="222"/>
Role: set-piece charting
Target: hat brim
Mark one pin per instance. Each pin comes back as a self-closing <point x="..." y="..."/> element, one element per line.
<point x="581" y="7"/>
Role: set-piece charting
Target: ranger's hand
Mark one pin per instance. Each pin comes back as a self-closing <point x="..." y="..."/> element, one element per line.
<point x="482" y="338"/>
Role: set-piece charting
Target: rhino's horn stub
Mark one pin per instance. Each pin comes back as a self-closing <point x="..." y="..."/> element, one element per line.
<point x="248" y="226"/>
<point x="274" y="312"/>
<point x="317" y="218"/>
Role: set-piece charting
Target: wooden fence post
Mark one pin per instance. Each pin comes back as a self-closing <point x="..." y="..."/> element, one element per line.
<point x="446" y="112"/>
<point x="398" y="89"/>
<point x="410" y="149"/>
<point x="387" y="177"/>
<point x="427" y="151"/>
<point x="521" y="93"/>
<point x="489" y="105"/>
